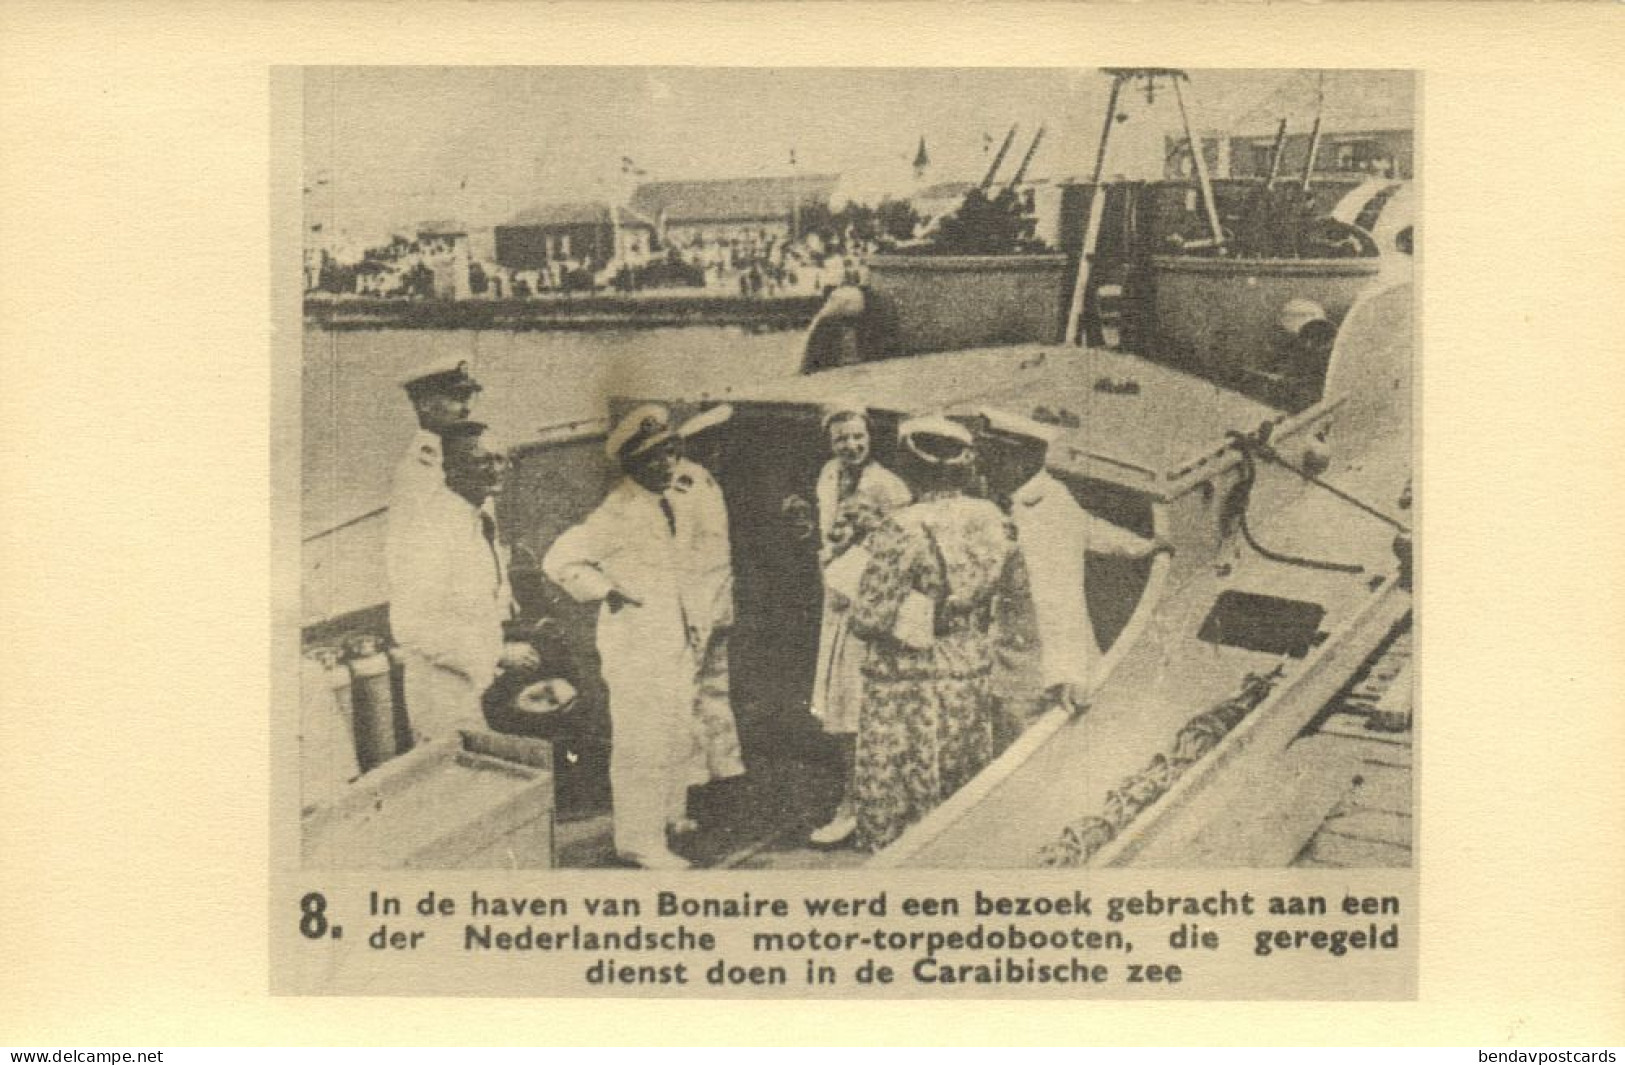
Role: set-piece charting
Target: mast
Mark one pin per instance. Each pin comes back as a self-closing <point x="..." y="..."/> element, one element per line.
<point x="1097" y="207"/>
<point x="1026" y="160"/>
<point x="1097" y="198"/>
<point x="1200" y="159"/>
<point x="1275" y="156"/>
<point x="1314" y="135"/>
<point x="998" y="160"/>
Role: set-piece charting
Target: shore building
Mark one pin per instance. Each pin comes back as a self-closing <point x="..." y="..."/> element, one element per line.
<point x="554" y="239"/>
<point x="745" y="214"/>
<point x="1378" y="152"/>
<point x="443" y="248"/>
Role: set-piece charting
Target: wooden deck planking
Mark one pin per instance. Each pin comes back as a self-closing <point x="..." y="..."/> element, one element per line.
<point x="1375" y="826"/>
<point x="1348" y="852"/>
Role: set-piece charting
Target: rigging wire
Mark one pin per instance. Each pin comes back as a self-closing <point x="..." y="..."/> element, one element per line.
<point x="1249" y="477"/>
<point x="1251" y="450"/>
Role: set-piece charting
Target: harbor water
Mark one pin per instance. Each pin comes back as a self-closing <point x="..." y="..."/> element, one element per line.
<point x="356" y="421"/>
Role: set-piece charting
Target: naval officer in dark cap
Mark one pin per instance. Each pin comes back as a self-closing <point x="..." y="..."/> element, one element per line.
<point x="442" y="394"/>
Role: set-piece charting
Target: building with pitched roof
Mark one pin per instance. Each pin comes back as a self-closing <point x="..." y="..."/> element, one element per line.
<point x="747" y="210"/>
<point x="575" y="236"/>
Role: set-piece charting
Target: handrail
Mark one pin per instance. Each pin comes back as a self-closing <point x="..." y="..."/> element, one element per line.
<point x="357" y="520"/>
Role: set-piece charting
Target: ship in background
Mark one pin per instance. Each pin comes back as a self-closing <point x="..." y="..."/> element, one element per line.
<point x="1244" y="280"/>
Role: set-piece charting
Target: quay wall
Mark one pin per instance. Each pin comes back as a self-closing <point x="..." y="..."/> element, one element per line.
<point x="575" y="312"/>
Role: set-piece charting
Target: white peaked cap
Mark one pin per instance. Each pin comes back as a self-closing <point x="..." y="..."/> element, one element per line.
<point x="706" y="419"/>
<point x="1001" y="421"/>
<point x="935" y="425"/>
<point x="642" y="428"/>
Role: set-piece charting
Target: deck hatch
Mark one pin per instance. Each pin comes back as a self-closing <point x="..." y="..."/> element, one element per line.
<point x="1265" y="623"/>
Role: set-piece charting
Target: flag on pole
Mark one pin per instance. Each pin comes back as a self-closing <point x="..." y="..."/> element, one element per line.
<point x="792" y="157"/>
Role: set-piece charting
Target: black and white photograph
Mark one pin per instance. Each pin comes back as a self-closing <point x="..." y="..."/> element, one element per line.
<point x="805" y="469"/>
<point x="810" y="524"/>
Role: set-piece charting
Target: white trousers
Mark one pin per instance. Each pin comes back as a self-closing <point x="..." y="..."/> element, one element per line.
<point x="439" y="701"/>
<point x="652" y="753"/>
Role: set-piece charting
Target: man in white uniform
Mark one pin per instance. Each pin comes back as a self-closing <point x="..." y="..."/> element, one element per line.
<point x="449" y="593"/>
<point x="1055" y="533"/>
<point x="701" y="513"/>
<point x="626" y="556"/>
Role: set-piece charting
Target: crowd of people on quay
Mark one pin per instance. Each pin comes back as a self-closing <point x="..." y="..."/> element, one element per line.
<point x="931" y="572"/>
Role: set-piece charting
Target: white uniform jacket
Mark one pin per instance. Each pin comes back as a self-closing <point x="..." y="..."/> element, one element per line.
<point x="419" y="473"/>
<point x="449" y="593"/>
<point x="648" y="662"/>
<point x="418" y="476"/>
<point x="706" y="557"/>
<point x="625" y="545"/>
<point x="1054" y="533"/>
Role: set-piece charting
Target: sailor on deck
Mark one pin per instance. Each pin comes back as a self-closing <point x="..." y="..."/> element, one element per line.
<point x="442" y="394"/>
<point x="627" y="557"/>
<point x="449" y="593"/>
<point x="1055" y="533"/>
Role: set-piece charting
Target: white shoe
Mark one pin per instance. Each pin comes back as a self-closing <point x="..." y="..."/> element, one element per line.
<point x="662" y="859"/>
<point x="837" y="831"/>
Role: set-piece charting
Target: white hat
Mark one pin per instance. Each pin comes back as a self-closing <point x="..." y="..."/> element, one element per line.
<point x="915" y="431"/>
<point x="549" y="696"/>
<point x="840" y="410"/>
<point x="454" y="371"/>
<point x="642" y="428"/>
<point x="1007" y="424"/>
<point x="706" y="419"/>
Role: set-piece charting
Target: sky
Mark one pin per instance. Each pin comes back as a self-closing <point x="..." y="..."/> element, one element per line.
<point x="388" y="147"/>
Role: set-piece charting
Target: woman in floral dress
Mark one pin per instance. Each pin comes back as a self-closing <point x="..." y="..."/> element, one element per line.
<point x="926" y="606"/>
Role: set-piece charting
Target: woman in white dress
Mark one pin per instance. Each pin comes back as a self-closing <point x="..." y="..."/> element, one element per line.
<point x="854" y="493"/>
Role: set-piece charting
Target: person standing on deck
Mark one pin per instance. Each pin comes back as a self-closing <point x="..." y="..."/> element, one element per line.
<point x="449" y="593"/>
<point x="851" y="475"/>
<point x="708" y="595"/>
<point x="1055" y="534"/>
<point x="442" y="394"/>
<point x="926" y="605"/>
<point x="625" y="556"/>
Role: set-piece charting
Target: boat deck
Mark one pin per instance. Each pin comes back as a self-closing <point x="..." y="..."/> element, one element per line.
<point x="1144" y="422"/>
<point x="1305" y="784"/>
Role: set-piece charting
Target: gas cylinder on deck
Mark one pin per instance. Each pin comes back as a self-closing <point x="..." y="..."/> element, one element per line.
<point x="397" y="688"/>
<point x="327" y="757"/>
<point x="375" y="740"/>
